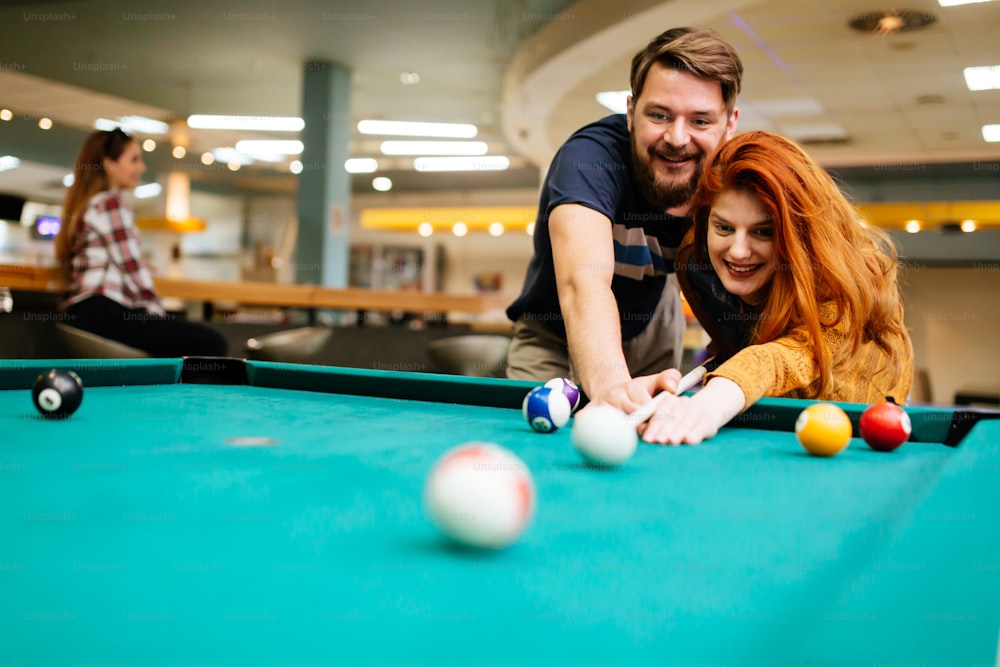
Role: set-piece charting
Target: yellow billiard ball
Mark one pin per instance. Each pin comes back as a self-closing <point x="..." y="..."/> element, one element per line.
<point x="823" y="429"/>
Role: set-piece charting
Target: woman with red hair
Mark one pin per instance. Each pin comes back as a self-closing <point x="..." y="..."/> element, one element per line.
<point x="798" y="295"/>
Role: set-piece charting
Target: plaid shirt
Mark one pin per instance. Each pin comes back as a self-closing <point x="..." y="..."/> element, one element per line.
<point x="107" y="259"/>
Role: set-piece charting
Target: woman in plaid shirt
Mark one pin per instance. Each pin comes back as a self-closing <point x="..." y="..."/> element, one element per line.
<point x="110" y="290"/>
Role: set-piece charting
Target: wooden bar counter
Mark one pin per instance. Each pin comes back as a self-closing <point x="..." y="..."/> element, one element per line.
<point x="312" y="297"/>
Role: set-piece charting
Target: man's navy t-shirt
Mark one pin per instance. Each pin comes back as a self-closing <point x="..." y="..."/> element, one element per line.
<point x="594" y="169"/>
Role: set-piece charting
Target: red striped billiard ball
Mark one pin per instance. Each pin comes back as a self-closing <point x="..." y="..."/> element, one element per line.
<point x="885" y="426"/>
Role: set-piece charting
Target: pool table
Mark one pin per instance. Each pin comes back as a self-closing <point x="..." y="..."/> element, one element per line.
<point x="227" y="512"/>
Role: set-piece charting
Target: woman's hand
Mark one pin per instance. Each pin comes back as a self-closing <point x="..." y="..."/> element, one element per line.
<point x="680" y="420"/>
<point x="692" y="419"/>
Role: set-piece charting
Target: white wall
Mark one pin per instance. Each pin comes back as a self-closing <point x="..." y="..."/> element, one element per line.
<point x="213" y="254"/>
<point x="462" y="258"/>
<point x="954" y="319"/>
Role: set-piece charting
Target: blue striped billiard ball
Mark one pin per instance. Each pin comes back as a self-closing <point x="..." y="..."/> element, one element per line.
<point x="546" y="409"/>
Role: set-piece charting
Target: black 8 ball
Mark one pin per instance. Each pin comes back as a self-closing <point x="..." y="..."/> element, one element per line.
<point x="57" y="394"/>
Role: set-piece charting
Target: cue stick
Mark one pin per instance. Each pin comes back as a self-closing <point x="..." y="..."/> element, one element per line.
<point x="687" y="382"/>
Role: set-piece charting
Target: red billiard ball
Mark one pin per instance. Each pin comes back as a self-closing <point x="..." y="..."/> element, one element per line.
<point x="885" y="426"/>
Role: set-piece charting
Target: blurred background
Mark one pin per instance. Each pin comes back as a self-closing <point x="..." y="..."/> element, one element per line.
<point x="901" y="105"/>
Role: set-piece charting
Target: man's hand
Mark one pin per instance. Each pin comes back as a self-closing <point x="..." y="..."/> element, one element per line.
<point x="629" y="396"/>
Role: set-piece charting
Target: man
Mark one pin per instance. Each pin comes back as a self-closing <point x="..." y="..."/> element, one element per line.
<point x="599" y="303"/>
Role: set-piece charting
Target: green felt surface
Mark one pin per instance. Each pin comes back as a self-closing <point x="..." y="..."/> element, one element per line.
<point x="21" y="373"/>
<point x="136" y="533"/>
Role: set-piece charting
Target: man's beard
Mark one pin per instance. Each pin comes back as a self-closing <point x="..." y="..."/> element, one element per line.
<point x="662" y="196"/>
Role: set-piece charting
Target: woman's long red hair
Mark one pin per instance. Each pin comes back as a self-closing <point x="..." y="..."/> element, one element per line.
<point x="824" y="252"/>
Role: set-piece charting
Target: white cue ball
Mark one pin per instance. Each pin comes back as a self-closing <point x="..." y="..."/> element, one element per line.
<point x="480" y="495"/>
<point x="604" y="435"/>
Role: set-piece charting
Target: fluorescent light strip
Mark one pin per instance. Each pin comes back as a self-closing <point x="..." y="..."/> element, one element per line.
<point x="434" y="148"/>
<point x="991" y="133"/>
<point x="360" y="165"/>
<point x="955" y="3"/>
<point x="417" y="129"/>
<point x="271" y="123"/>
<point x="266" y="147"/>
<point x="266" y="157"/>
<point x="615" y="100"/>
<point x="483" y="163"/>
<point x="982" y="78"/>
<point x="133" y="125"/>
<point x="230" y="155"/>
<point x="8" y="162"/>
<point x="148" y="191"/>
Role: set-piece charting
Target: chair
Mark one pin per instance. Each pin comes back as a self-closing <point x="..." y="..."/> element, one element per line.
<point x="294" y="346"/>
<point x="475" y="355"/>
<point x="84" y="345"/>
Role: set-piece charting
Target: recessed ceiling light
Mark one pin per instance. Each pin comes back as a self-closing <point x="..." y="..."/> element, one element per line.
<point x="405" y="128"/>
<point x="295" y="166"/>
<point x="968" y="226"/>
<point x="382" y="184"/>
<point x="8" y="162"/>
<point x="178" y="152"/>
<point x="913" y="226"/>
<point x="891" y="21"/>
<point x="149" y="145"/>
<point x="409" y="78"/>
<point x="460" y="229"/>
<point x="425" y="229"/>
<point x="272" y="123"/>
<point x="434" y="148"/>
<point x="6" y="114"/>
<point x="982" y="78"/>
<point x="45" y="123"/>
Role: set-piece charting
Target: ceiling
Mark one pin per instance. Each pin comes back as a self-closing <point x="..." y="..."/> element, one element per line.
<point x="524" y="71"/>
